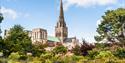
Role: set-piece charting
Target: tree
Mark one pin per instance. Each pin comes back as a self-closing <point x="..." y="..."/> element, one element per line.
<point x="17" y="41"/>
<point x="112" y="26"/>
<point x="85" y="47"/>
<point x="1" y="40"/>
<point x="60" y="50"/>
<point x="1" y="18"/>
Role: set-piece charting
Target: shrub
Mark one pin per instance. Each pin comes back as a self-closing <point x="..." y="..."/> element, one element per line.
<point x="120" y="53"/>
<point x="14" y="56"/>
<point x="60" y="50"/>
<point x="45" y="57"/>
<point x="23" y="57"/>
<point x="104" y="54"/>
<point x="92" y="54"/>
<point x="76" y="58"/>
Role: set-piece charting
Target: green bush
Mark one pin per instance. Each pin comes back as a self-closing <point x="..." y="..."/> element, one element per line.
<point x="46" y="56"/>
<point x="14" y="56"/>
<point x="92" y="54"/>
<point x="23" y="57"/>
<point x="3" y="60"/>
<point x="60" y="50"/>
<point x="104" y="54"/>
<point x="120" y="53"/>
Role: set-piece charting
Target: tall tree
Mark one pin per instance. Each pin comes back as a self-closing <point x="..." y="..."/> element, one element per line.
<point x="17" y="40"/>
<point x="85" y="47"/>
<point x="1" y="18"/>
<point x="112" y="26"/>
<point x="1" y="40"/>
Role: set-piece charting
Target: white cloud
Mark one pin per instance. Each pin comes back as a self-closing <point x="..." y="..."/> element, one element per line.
<point x="13" y="14"/>
<point x="87" y="3"/>
<point x="9" y="13"/>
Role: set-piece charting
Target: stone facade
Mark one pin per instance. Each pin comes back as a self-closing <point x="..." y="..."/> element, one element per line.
<point x="38" y="35"/>
<point x="61" y="30"/>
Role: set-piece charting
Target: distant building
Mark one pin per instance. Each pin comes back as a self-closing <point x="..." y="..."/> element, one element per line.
<point x="61" y="34"/>
<point x="38" y="35"/>
<point x="61" y="31"/>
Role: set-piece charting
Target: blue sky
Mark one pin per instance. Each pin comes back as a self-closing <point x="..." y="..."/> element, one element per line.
<point x="81" y="16"/>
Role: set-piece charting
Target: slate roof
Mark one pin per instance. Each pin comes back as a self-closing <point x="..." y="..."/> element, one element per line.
<point x="69" y="39"/>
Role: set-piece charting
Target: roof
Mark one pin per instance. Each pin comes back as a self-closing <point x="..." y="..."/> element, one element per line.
<point x="53" y="39"/>
<point x="69" y="39"/>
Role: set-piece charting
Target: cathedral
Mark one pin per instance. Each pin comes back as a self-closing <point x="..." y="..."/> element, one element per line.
<point x="61" y="34"/>
<point x="39" y="35"/>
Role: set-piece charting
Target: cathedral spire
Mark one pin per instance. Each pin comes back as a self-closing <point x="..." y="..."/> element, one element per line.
<point x="61" y="30"/>
<point x="61" y="22"/>
<point x="61" y="10"/>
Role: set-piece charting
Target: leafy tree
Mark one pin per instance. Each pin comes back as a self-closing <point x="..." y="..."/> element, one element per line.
<point x="18" y="40"/>
<point x="60" y="50"/>
<point x="112" y="26"/>
<point x="1" y="18"/>
<point x="1" y="40"/>
<point x="85" y="47"/>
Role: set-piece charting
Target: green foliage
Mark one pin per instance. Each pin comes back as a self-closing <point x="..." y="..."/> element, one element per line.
<point x="104" y="54"/>
<point x="76" y="58"/>
<point x="23" y="57"/>
<point x="17" y="44"/>
<point x="1" y="17"/>
<point x="101" y="45"/>
<point x="46" y="57"/>
<point x="17" y="41"/>
<point x="112" y="26"/>
<point x="120" y="53"/>
<point x="14" y="56"/>
<point x="60" y="50"/>
<point x="3" y="60"/>
<point x="76" y="50"/>
<point x="92" y="54"/>
<point x="37" y="51"/>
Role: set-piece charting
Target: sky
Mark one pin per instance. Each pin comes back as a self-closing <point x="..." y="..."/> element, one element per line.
<point x="82" y="16"/>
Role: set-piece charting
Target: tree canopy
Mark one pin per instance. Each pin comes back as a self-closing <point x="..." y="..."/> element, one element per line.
<point x="1" y="18"/>
<point x="17" y="40"/>
<point x="112" y="26"/>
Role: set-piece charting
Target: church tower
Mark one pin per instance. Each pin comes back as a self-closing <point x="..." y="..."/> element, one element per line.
<point x="61" y="30"/>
